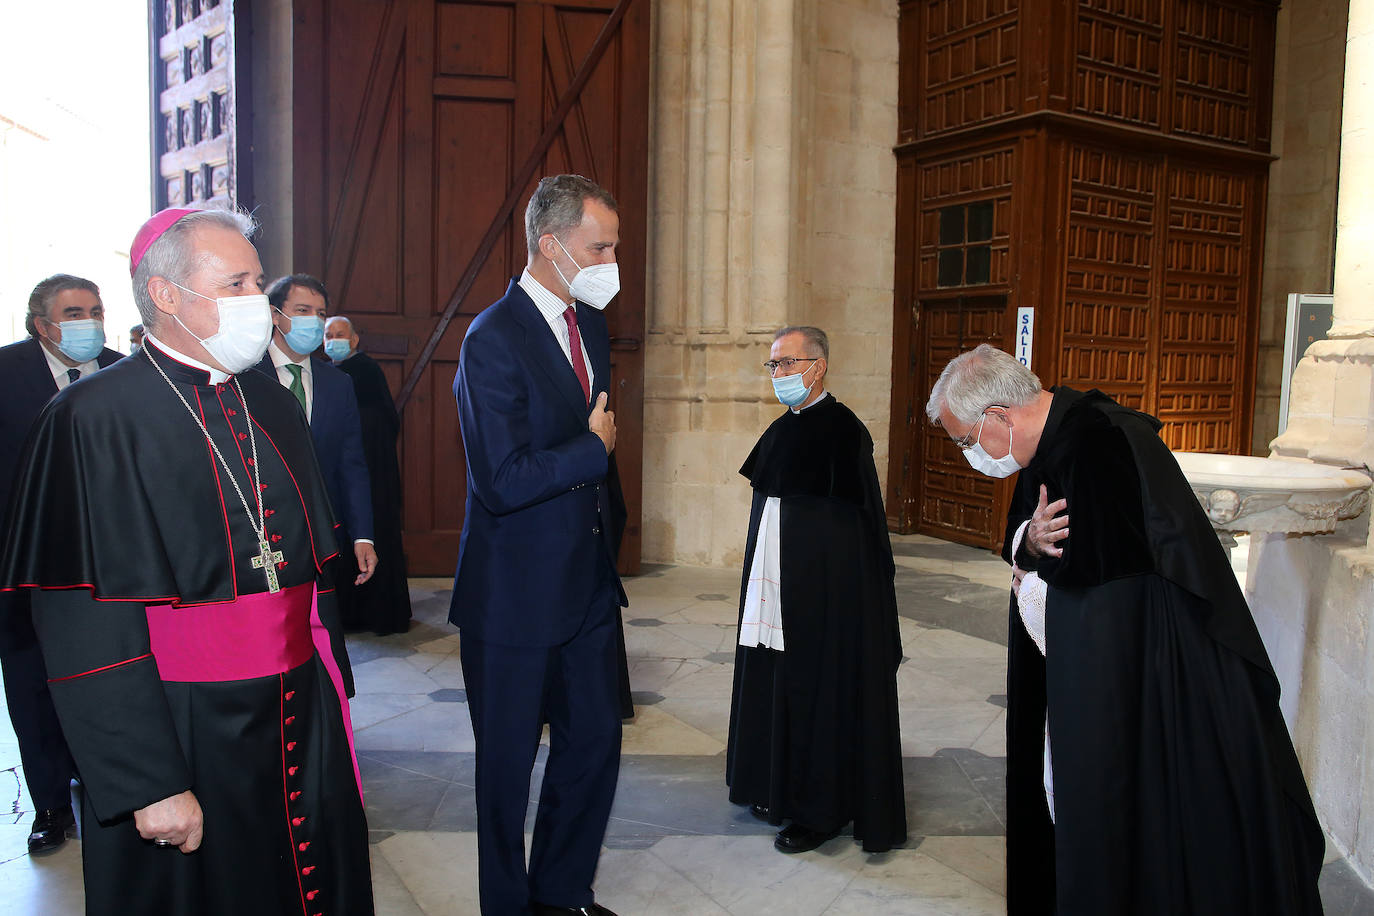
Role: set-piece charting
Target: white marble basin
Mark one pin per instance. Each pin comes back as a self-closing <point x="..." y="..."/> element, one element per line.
<point x="1244" y="493"/>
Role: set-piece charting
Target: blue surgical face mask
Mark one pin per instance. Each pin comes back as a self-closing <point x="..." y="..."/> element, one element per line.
<point x="792" y="390"/>
<point x="306" y="333"/>
<point x="82" y="340"/>
<point x="337" y="349"/>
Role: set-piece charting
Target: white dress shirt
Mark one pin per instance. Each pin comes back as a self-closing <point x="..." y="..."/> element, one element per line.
<point x="59" y="368"/>
<point x="280" y="360"/>
<point x="552" y="308"/>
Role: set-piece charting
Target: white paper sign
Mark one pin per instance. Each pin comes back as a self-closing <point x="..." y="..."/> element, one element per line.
<point x="1025" y="335"/>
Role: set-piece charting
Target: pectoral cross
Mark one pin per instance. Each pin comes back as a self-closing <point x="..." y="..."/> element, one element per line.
<point x="267" y="560"/>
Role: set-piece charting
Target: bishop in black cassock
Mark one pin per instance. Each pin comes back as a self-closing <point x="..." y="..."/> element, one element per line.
<point x="195" y="663"/>
<point x="1149" y="770"/>
<point x="814" y="733"/>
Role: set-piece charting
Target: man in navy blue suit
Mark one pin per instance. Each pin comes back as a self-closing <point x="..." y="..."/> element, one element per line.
<point x="299" y="303"/>
<point x="66" y="325"/>
<point x="536" y="593"/>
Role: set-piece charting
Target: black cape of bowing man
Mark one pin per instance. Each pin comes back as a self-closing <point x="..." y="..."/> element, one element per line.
<point x="122" y="517"/>
<point x="814" y="731"/>
<point x="1176" y="787"/>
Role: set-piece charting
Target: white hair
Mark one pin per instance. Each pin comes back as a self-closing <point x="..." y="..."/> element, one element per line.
<point x="981" y="378"/>
<point x="170" y="255"/>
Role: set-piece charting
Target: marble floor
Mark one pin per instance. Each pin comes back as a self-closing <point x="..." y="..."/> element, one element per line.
<point x="674" y="844"/>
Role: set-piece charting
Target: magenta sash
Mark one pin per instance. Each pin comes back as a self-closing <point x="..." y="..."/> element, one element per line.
<point x="321" y="636"/>
<point x="252" y="636"/>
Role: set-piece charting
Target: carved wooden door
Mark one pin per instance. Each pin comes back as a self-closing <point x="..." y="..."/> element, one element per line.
<point x="1138" y="135"/>
<point x="196" y="132"/>
<point x="412" y="121"/>
<point x="958" y="503"/>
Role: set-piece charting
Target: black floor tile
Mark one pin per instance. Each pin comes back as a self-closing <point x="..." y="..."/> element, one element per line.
<point x="943" y="550"/>
<point x="957" y="793"/>
<point x="987" y="774"/>
<point x="1343" y="893"/>
<point x="400" y="799"/>
<point x="676" y="796"/>
<point x="370" y="648"/>
<point x="941" y="800"/>
<point x="449" y="766"/>
<point x="980" y="610"/>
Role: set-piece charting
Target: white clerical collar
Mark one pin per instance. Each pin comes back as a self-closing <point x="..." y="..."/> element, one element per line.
<point x="217" y="377"/>
<point x="59" y="368"/>
<point x="824" y="395"/>
<point x="279" y="357"/>
<point x="550" y="306"/>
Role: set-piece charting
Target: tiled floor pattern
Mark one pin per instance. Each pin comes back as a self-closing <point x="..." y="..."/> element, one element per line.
<point x="674" y="844"/>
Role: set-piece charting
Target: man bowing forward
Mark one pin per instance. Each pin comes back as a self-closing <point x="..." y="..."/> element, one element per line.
<point x="536" y="592"/>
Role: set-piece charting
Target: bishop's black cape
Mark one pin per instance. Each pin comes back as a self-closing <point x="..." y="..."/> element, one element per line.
<point x="381" y="604"/>
<point x="1177" y="789"/>
<point x="119" y="503"/>
<point x="814" y="729"/>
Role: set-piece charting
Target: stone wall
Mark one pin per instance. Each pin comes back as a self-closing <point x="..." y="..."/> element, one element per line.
<point x="772" y="194"/>
<point x="1300" y="229"/>
<point x="1313" y="597"/>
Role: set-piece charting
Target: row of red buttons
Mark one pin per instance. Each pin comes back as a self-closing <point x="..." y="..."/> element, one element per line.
<point x="295" y="794"/>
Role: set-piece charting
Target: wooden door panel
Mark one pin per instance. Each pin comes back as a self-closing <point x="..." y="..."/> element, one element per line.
<point x="958" y="503"/>
<point x="1140" y="215"/>
<point x="414" y="119"/>
<point x="369" y="277"/>
<point x="472" y="138"/>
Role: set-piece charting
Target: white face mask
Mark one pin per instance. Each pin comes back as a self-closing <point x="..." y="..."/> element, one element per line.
<point x="596" y="285"/>
<point x="983" y="463"/>
<point x="245" y="330"/>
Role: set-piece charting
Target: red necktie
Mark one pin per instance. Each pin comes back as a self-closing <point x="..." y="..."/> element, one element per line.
<point x="575" y="348"/>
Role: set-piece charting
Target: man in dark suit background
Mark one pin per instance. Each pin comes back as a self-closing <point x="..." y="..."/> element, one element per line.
<point x="299" y="302"/>
<point x="66" y="325"/>
<point x="536" y="593"/>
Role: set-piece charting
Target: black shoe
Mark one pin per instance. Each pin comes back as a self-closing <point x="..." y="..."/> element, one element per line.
<point x="543" y="909"/>
<point x="759" y="811"/>
<point x="50" y="829"/>
<point x="796" y="838"/>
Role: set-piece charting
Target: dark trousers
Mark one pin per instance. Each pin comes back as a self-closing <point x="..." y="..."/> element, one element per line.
<point x="512" y="691"/>
<point x="48" y="768"/>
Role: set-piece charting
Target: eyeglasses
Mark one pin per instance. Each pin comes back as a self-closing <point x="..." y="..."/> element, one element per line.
<point x="967" y="441"/>
<point x="787" y="362"/>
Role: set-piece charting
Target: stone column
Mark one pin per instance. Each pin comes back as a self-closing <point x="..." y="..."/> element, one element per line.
<point x="772" y="194"/>
<point x="1331" y="406"/>
<point x="1312" y="596"/>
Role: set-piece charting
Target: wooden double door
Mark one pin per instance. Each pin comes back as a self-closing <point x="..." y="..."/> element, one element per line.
<point x="412" y="120"/>
<point x="936" y="492"/>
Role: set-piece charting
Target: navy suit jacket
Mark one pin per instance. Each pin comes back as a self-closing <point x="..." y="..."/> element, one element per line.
<point x="537" y="539"/>
<point x="338" y="433"/>
<point x="27" y="385"/>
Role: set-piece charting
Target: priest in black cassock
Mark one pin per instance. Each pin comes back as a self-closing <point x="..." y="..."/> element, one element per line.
<point x="1149" y="770"/>
<point x="381" y="604"/>
<point x="813" y="720"/>
<point x="171" y="527"/>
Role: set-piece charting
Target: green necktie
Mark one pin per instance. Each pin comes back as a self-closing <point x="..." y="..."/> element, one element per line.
<point x="297" y="388"/>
